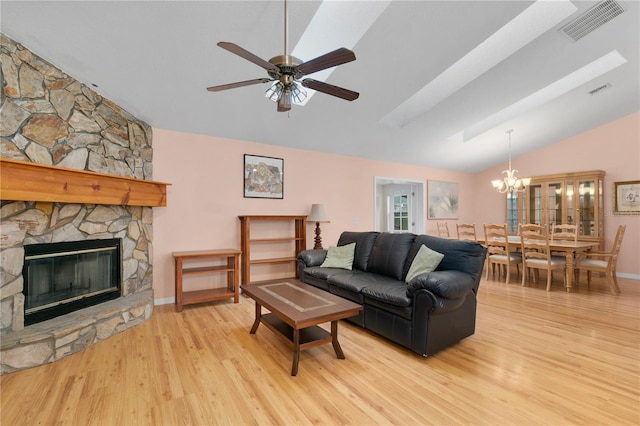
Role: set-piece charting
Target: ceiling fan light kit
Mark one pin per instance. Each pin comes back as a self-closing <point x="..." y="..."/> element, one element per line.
<point x="286" y="72"/>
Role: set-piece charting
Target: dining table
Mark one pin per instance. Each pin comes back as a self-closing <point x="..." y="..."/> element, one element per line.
<point x="569" y="248"/>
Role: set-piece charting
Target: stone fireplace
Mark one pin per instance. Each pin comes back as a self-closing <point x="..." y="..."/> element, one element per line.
<point x="49" y="118"/>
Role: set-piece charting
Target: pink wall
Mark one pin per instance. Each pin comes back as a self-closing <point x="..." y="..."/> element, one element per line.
<point x="206" y="196"/>
<point x="206" y="193"/>
<point x="614" y="148"/>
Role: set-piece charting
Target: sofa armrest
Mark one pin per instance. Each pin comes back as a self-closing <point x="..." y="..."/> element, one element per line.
<point x="312" y="257"/>
<point x="446" y="284"/>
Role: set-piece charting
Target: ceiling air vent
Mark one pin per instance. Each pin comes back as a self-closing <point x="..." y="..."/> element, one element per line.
<point x="600" y="89"/>
<point x="592" y="19"/>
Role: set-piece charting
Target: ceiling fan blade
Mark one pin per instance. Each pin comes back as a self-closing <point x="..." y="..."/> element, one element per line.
<point x="328" y="60"/>
<point x="243" y="53"/>
<point x="330" y="89"/>
<point x="238" y="84"/>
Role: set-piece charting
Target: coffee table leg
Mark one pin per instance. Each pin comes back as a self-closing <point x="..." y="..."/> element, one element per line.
<point x="334" y="340"/>
<point x="296" y="351"/>
<point x="256" y="323"/>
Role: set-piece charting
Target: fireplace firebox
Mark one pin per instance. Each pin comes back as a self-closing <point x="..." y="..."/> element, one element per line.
<point x="60" y="278"/>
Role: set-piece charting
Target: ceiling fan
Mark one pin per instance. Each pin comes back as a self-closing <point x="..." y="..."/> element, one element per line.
<point x="287" y="70"/>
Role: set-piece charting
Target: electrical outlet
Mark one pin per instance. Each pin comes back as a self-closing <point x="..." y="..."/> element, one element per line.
<point x="356" y="221"/>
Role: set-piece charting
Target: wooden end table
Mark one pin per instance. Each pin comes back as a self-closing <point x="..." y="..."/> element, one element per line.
<point x="296" y="309"/>
<point x="231" y="257"/>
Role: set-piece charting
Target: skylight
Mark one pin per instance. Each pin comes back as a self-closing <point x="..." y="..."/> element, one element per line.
<point x="336" y="24"/>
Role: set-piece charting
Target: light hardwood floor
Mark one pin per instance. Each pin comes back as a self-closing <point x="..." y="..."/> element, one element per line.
<point x="537" y="358"/>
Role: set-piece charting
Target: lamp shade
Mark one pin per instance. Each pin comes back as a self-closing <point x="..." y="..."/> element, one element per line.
<point x="317" y="214"/>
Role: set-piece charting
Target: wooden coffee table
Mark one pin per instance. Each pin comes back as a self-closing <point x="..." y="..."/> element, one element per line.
<point x="296" y="309"/>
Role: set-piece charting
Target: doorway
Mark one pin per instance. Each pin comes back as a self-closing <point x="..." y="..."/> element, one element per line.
<point x="400" y="205"/>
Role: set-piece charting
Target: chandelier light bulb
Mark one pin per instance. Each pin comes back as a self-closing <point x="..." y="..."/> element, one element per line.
<point x="510" y="182"/>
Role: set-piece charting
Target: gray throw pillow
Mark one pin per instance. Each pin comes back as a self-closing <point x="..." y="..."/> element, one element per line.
<point x="340" y="257"/>
<point x="426" y="260"/>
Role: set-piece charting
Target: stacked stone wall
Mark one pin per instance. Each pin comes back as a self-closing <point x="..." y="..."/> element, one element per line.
<point x="48" y="117"/>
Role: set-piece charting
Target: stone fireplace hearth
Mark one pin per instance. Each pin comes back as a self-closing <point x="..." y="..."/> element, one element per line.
<point x="49" y="118"/>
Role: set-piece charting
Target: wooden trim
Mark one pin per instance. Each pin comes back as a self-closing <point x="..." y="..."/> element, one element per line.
<point x="566" y="176"/>
<point x="24" y="181"/>
<point x="273" y="217"/>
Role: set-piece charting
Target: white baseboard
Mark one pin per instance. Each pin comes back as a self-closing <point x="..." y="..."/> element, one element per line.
<point x="165" y="301"/>
<point x="630" y="276"/>
<point x="170" y="300"/>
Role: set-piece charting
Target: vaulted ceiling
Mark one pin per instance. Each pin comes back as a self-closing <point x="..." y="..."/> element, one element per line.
<point x="440" y="82"/>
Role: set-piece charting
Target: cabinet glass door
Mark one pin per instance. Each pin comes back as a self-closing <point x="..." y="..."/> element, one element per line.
<point x="554" y="204"/>
<point x="535" y="204"/>
<point x="599" y="212"/>
<point x="586" y="212"/>
<point x="571" y="207"/>
<point x="514" y="211"/>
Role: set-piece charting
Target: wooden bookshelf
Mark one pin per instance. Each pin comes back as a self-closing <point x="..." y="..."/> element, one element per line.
<point x="299" y="238"/>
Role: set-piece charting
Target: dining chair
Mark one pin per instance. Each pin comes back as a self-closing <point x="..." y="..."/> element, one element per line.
<point x="443" y="229"/>
<point x="466" y="231"/>
<point x="499" y="251"/>
<point x="603" y="262"/>
<point x="564" y="232"/>
<point x="536" y="254"/>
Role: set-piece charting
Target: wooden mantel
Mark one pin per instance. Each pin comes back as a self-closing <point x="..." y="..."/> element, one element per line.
<point x="24" y="181"/>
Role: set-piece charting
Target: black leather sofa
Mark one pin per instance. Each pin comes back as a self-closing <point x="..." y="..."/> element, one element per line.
<point x="432" y="312"/>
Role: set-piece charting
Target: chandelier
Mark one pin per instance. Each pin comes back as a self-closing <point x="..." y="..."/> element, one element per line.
<point x="510" y="183"/>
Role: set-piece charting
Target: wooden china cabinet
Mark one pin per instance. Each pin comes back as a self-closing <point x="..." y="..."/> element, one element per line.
<point x="571" y="198"/>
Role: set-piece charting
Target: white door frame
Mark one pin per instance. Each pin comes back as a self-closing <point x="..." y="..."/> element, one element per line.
<point x="419" y="202"/>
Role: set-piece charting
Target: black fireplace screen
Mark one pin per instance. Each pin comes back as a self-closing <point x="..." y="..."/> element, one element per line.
<point x="63" y="277"/>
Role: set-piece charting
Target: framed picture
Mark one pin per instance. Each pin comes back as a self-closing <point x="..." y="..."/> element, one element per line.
<point x="263" y="177"/>
<point x="442" y="200"/>
<point x="626" y="197"/>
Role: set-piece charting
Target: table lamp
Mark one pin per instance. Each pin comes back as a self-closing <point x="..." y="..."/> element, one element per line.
<point x="317" y="215"/>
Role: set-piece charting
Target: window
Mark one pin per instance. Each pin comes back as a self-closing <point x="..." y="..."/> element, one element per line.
<point x="401" y="213"/>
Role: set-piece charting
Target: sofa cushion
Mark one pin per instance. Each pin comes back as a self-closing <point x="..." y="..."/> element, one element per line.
<point x="349" y="285"/>
<point x="324" y="273"/>
<point x="340" y="257"/>
<point x="316" y="282"/>
<point x="364" y="243"/>
<point x="317" y="276"/>
<point x="389" y="254"/>
<point x="426" y="260"/>
<point x="466" y="256"/>
<point x="388" y="291"/>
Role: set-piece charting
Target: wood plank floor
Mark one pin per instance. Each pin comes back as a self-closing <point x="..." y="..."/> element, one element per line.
<point x="537" y="358"/>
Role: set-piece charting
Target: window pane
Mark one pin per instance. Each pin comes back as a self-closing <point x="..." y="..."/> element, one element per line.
<point x="400" y="213"/>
